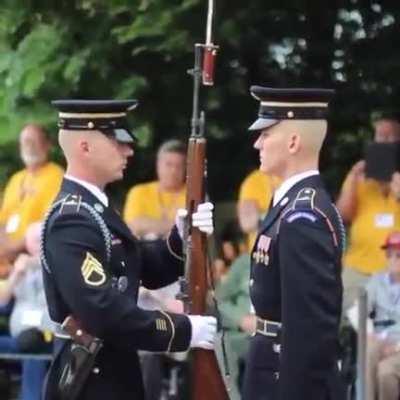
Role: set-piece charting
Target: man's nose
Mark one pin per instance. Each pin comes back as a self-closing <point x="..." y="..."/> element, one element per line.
<point x="129" y="152"/>
<point x="257" y="143"/>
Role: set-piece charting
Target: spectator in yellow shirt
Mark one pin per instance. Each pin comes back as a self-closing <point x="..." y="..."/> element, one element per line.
<point x="150" y="208"/>
<point x="29" y="192"/>
<point x="372" y="210"/>
<point x="255" y="194"/>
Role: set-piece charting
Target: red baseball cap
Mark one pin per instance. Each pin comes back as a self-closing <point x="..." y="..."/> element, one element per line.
<point x="393" y="240"/>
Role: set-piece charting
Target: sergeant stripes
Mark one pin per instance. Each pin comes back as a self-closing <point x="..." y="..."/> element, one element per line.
<point x="92" y="270"/>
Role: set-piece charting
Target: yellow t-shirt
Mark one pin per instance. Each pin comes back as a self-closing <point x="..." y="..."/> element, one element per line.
<point x="376" y="216"/>
<point x="148" y="200"/>
<point x="259" y="187"/>
<point x="27" y="197"/>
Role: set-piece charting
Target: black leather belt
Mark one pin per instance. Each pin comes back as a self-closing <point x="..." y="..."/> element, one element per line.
<point x="268" y="328"/>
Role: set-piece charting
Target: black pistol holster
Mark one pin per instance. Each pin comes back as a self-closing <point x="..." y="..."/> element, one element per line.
<point x="84" y="350"/>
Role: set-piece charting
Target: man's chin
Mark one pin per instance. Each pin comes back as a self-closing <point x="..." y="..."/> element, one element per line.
<point x="263" y="168"/>
<point x="33" y="163"/>
<point x="120" y="176"/>
<point x="116" y="177"/>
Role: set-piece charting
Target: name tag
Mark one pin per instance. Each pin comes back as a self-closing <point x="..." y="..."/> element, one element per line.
<point x="13" y="223"/>
<point x="32" y="318"/>
<point x="384" y="220"/>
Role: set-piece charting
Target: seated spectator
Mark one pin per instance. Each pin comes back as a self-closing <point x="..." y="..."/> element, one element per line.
<point x="383" y="346"/>
<point x="30" y="324"/>
<point x="255" y="194"/>
<point x="28" y="194"/>
<point x="235" y="307"/>
<point x="150" y="208"/>
<point x="371" y="209"/>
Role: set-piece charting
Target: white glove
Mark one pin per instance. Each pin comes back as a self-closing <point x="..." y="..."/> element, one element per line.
<point x="203" y="219"/>
<point x="204" y="330"/>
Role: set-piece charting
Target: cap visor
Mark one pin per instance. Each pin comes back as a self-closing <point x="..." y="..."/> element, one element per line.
<point x="124" y="136"/>
<point x="262" y="123"/>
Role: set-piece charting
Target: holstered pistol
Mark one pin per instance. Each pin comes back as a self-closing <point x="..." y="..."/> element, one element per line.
<point x="83" y="353"/>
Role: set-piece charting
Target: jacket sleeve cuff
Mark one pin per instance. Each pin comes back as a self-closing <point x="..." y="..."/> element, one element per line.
<point x="181" y="332"/>
<point x="174" y="244"/>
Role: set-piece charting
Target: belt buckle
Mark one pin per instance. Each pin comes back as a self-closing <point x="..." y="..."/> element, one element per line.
<point x="262" y="327"/>
<point x="269" y="324"/>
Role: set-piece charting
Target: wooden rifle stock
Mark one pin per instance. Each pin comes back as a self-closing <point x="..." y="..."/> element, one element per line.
<point x="206" y="381"/>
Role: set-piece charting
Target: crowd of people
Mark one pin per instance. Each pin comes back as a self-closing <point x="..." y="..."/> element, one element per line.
<point x="370" y="209"/>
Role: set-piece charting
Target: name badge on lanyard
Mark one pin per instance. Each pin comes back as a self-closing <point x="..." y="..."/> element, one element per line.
<point x="13" y="223"/>
<point x="384" y="220"/>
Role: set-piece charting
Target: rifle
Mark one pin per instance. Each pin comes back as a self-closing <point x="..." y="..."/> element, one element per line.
<point x="206" y="381"/>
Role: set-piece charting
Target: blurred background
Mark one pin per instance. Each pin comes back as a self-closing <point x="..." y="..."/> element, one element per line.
<point x="143" y="48"/>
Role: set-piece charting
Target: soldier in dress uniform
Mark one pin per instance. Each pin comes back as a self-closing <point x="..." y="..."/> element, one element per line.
<point x="295" y="279"/>
<point x="93" y="266"/>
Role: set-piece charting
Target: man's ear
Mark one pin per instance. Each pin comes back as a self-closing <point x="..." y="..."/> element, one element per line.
<point x="294" y="143"/>
<point x="84" y="146"/>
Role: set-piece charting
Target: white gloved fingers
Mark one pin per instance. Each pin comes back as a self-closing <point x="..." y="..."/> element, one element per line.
<point x="203" y="218"/>
<point x="202" y="215"/>
<point x="211" y="321"/>
<point x="204" y="320"/>
<point x="206" y="345"/>
<point x="210" y="337"/>
<point x="202" y="222"/>
<point x="205" y="206"/>
<point x="204" y="329"/>
<point x="205" y="228"/>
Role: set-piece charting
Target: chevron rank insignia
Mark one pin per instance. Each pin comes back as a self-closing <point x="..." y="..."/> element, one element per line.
<point x="92" y="271"/>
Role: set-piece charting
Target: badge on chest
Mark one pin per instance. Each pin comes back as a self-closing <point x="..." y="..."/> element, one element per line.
<point x="260" y="255"/>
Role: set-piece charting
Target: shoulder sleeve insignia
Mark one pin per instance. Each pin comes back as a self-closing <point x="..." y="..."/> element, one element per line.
<point x="304" y="199"/>
<point x="301" y="214"/>
<point x="92" y="271"/>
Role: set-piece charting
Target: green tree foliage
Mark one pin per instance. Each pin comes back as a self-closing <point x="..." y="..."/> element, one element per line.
<point x="143" y="48"/>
